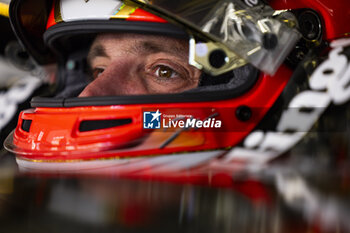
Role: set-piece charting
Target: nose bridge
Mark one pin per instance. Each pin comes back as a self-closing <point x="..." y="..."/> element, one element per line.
<point x="119" y="78"/>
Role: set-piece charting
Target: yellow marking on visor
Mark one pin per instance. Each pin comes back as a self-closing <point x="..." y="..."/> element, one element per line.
<point x="124" y="11"/>
<point x="4" y="9"/>
<point x="57" y="11"/>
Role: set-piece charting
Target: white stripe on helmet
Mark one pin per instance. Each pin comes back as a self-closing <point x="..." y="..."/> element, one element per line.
<point x="93" y="9"/>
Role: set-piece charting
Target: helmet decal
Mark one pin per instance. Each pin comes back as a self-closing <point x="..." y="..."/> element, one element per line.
<point x="94" y="9"/>
<point x="328" y="84"/>
<point x="124" y="11"/>
<point x="74" y="10"/>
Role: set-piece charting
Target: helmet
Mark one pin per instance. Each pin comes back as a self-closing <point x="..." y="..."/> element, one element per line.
<point x="227" y="100"/>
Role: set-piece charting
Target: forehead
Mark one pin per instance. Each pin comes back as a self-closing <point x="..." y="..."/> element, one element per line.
<point x="116" y="43"/>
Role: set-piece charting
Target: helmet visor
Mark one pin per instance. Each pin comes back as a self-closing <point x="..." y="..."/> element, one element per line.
<point x="250" y="29"/>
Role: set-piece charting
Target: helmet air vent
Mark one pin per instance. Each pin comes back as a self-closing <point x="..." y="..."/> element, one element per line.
<point x="26" y="125"/>
<point x="90" y="125"/>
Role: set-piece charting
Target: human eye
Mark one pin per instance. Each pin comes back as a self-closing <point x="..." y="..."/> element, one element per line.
<point x="96" y="66"/>
<point x="164" y="72"/>
<point x="167" y="71"/>
<point x="96" y="71"/>
<point x="169" y="76"/>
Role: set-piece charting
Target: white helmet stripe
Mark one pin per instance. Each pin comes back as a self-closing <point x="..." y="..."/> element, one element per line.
<point x="93" y="9"/>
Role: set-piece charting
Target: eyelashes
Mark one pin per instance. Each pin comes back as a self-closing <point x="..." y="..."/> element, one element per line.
<point x="156" y="75"/>
<point x="96" y="72"/>
<point x="164" y="72"/>
<point x="159" y="71"/>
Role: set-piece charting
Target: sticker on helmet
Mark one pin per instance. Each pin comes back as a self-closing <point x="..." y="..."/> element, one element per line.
<point x="88" y="9"/>
<point x="328" y="83"/>
<point x="151" y="120"/>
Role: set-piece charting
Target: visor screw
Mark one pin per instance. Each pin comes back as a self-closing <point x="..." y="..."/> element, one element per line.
<point x="270" y="41"/>
<point x="217" y="58"/>
<point x="243" y="113"/>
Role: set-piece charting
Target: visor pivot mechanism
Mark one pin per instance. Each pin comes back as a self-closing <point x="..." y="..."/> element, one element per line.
<point x="218" y="58"/>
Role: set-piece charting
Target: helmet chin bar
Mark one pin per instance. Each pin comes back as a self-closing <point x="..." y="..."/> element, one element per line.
<point x="109" y="130"/>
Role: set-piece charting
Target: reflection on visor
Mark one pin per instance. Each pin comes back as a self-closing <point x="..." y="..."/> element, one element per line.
<point x="252" y="34"/>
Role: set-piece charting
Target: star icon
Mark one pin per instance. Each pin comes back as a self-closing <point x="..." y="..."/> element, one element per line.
<point x="156" y="115"/>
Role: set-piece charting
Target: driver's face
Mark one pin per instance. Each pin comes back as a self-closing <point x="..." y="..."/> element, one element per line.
<point x="126" y="64"/>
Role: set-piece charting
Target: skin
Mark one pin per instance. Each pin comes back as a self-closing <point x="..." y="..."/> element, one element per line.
<point x="130" y="64"/>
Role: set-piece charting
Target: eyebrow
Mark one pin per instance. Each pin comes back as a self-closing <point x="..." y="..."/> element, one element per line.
<point x="142" y="47"/>
<point x="96" y="51"/>
<point x="149" y="47"/>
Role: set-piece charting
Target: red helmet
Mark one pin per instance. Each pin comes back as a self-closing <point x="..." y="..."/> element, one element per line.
<point x="227" y="103"/>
